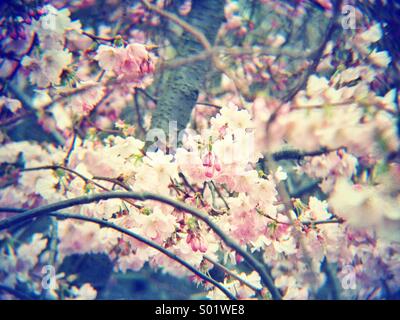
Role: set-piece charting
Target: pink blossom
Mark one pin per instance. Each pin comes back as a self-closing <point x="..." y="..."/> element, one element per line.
<point x="131" y="63"/>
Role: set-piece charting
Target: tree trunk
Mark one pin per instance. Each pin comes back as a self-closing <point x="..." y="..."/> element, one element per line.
<point x="180" y="91"/>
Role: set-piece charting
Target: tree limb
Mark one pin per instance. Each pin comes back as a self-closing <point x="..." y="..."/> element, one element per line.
<point x="257" y="266"/>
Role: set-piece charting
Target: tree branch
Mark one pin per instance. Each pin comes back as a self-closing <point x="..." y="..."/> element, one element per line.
<point x="299" y="155"/>
<point x="148" y="242"/>
<point x="18" y="294"/>
<point x="256" y="265"/>
<point x="233" y="275"/>
<point x="200" y="37"/>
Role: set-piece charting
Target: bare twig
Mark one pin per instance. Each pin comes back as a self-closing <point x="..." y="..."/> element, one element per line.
<point x="232" y="274"/>
<point x="209" y="104"/>
<point x="85" y="179"/>
<point x="298" y="155"/>
<point x="70" y="149"/>
<point x="317" y="55"/>
<point x="139" y="118"/>
<point x="115" y="181"/>
<point x="98" y="38"/>
<point x="220" y="195"/>
<point x="198" y="35"/>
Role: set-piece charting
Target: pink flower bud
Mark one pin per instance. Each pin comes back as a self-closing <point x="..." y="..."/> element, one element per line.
<point x="234" y="23"/>
<point x="87" y="107"/>
<point x="217" y="165"/>
<point x="242" y="31"/>
<point x="195" y="244"/>
<point x="207" y="160"/>
<point x="21" y="34"/>
<point x="28" y="20"/>
<point x="42" y="11"/>
<point x="209" y="172"/>
<point x="13" y="34"/>
<point x="189" y="237"/>
<point x="203" y="247"/>
<point x="238" y="258"/>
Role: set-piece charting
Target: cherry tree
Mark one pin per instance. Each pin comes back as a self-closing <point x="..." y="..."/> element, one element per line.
<point x="259" y="139"/>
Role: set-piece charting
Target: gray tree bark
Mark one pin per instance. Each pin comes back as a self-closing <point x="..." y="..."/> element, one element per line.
<point x="179" y="93"/>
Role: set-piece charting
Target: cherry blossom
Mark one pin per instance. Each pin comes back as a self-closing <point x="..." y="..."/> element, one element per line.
<point x="286" y="157"/>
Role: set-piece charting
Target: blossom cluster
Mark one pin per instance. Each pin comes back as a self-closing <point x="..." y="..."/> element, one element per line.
<point x="241" y="200"/>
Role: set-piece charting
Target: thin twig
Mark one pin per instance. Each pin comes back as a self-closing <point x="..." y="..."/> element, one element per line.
<point x="115" y="181"/>
<point x="317" y="55"/>
<point x="198" y="35"/>
<point x="220" y="195"/>
<point x="85" y="179"/>
<point x="99" y="38"/>
<point x="285" y="197"/>
<point x="298" y="155"/>
<point x="71" y="148"/>
<point x="232" y="274"/>
<point x="146" y="94"/>
<point x="209" y="104"/>
<point x="139" y="117"/>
